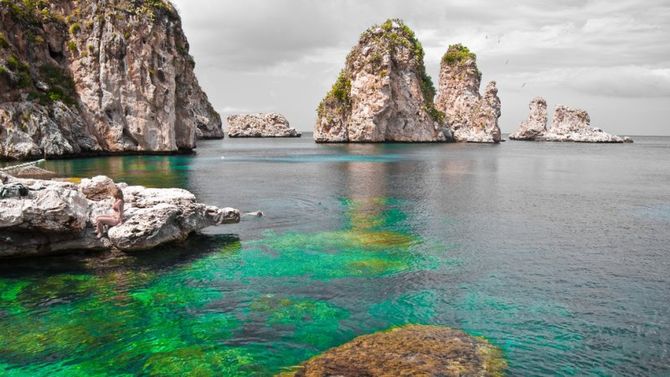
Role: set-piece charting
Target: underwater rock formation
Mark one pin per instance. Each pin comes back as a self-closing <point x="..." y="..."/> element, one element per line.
<point x="98" y="77"/>
<point x="411" y="350"/>
<point x="60" y="216"/>
<point x="536" y="124"/>
<point x="383" y="93"/>
<point x="470" y="116"/>
<point x="260" y="125"/>
<point x="568" y="124"/>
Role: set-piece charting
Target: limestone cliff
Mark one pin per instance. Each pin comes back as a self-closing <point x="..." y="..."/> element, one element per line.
<point x="470" y="116"/>
<point x="109" y="76"/>
<point x="383" y="93"/>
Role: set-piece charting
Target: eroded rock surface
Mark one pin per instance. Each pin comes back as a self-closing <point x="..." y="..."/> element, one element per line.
<point x="113" y="76"/>
<point x="470" y="116"/>
<point x="60" y="216"/>
<point x="412" y="350"/>
<point x="383" y="93"/>
<point x="536" y="124"/>
<point x="260" y="125"/>
<point x="568" y="124"/>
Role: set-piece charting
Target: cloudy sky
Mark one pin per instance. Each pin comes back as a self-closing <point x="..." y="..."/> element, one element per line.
<point x="611" y="58"/>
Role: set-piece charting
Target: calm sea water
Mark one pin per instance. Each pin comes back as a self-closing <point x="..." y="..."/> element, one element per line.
<point x="557" y="253"/>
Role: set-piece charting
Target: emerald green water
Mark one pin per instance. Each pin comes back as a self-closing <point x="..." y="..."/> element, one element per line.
<point x="357" y="239"/>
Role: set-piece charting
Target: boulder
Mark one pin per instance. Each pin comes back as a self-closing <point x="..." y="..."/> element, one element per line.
<point x="536" y="124"/>
<point x="412" y="350"/>
<point x="470" y="116"/>
<point x="570" y="124"/>
<point x="60" y="216"/>
<point x="260" y="125"/>
<point x="383" y="93"/>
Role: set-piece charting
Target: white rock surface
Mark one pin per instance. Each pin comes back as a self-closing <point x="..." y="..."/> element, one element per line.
<point x="536" y="124"/>
<point x="471" y="117"/>
<point x="383" y="93"/>
<point x="260" y="125"/>
<point x="59" y="216"/>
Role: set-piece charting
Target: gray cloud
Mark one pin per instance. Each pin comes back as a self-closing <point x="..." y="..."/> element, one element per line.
<point x="284" y="54"/>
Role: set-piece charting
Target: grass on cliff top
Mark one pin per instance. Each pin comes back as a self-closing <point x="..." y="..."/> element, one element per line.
<point x="457" y="53"/>
<point x="338" y="94"/>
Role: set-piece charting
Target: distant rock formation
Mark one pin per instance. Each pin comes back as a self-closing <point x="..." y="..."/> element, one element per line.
<point x="411" y="350"/>
<point x="568" y="124"/>
<point x="536" y="124"/>
<point x="57" y="217"/>
<point x="383" y="93"/>
<point x="260" y="125"/>
<point x="114" y="76"/>
<point x="470" y="116"/>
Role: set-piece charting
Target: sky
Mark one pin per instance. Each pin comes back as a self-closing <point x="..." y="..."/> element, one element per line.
<point x="608" y="57"/>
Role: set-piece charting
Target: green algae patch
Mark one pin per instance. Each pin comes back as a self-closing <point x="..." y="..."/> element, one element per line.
<point x="296" y="311"/>
<point x="196" y="361"/>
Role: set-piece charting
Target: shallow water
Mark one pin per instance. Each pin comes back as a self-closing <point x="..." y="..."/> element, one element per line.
<point x="556" y="253"/>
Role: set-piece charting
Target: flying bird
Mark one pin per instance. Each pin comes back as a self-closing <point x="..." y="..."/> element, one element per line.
<point x="524" y="84"/>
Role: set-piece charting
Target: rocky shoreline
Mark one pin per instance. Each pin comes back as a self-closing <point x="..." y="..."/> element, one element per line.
<point x="53" y="217"/>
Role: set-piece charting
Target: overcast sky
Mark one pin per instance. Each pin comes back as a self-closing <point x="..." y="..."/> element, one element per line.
<point x="611" y="58"/>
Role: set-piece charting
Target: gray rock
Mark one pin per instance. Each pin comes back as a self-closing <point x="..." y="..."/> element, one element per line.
<point x="383" y="93"/>
<point x="471" y="117"/>
<point x="570" y="124"/>
<point x="58" y="217"/>
<point x="260" y="125"/>
<point x="536" y="124"/>
<point x="122" y="82"/>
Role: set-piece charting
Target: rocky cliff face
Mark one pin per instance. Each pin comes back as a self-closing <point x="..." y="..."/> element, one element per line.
<point x="260" y="125"/>
<point x="536" y="124"/>
<point x="568" y="124"/>
<point x="470" y="116"/>
<point x="97" y="76"/>
<point x="383" y="93"/>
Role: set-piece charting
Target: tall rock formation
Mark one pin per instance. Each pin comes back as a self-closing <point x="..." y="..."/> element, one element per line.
<point x="383" y="93"/>
<point x="470" y="116"/>
<point x="81" y="77"/>
<point x="536" y="124"/>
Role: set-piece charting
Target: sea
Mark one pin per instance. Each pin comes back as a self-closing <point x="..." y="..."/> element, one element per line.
<point x="557" y="253"/>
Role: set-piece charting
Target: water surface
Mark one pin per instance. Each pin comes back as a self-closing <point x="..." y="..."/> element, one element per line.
<point x="557" y="253"/>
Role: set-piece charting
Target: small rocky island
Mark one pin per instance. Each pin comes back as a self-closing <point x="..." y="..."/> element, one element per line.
<point x="54" y="217"/>
<point x="471" y="117"/>
<point x="568" y="124"/>
<point x="90" y="77"/>
<point x="260" y="125"/>
<point x="412" y="350"/>
<point x="383" y="93"/>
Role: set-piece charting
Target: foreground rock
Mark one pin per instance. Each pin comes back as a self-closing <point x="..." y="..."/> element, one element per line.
<point x="383" y="93"/>
<point x="260" y="125"/>
<point x="59" y="216"/>
<point x="470" y="116"/>
<point x="80" y="77"/>
<point x="568" y="124"/>
<point x="411" y="350"/>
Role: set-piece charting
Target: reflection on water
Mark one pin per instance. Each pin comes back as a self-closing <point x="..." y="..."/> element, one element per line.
<point x="556" y="253"/>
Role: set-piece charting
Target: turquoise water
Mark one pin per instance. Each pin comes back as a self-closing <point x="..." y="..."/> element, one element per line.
<point x="556" y="253"/>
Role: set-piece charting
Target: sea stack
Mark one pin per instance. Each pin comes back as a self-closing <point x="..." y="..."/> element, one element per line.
<point x="260" y="125"/>
<point x="470" y="116"/>
<point x="383" y="93"/>
<point x="536" y="124"/>
<point x="568" y="124"/>
<point x="80" y="77"/>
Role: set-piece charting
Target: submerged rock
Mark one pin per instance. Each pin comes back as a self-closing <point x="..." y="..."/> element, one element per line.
<point x="98" y="77"/>
<point x="60" y="216"/>
<point x="411" y="350"/>
<point x="470" y="116"/>
<point x="536" y="124"/>
<point x="568" y="124"/>
<point x="260" y="125"/>
<point x="383" y="93"/>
